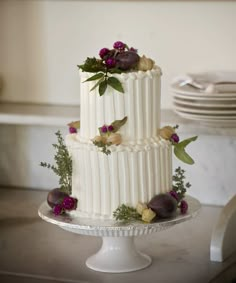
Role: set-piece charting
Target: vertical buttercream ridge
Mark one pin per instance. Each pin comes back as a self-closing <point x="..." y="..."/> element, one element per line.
<point x="140" y="103"/>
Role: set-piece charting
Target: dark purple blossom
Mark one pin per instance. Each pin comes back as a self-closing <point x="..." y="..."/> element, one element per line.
<point x="119" y="45"/>
<point x="103" y="52"/>
<point x="72" y="130"/>
<point x="174" y="195"/>
<point x="104" y="129"/>
<point x="183" y="207"/>
<point x="110" y="62"/>
<point x="175" y="138"/>
<point x="110" y="128"/>
<point x="69" y="203"/>
<point x="58" y="209"/>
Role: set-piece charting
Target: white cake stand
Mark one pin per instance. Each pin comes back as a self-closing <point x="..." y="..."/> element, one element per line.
<point x="118" y="252"/>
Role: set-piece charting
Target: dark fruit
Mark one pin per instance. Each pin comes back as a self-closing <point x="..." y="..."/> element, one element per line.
<point x="55" y="197"/>
<point x="164" y="205"/>
<point x="127" y="60"/>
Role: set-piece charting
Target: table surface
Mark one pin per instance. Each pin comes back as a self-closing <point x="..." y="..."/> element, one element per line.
<point x="35" y="251"/>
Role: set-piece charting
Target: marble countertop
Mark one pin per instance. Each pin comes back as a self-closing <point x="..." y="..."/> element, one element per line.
<point x="35" y="251"/>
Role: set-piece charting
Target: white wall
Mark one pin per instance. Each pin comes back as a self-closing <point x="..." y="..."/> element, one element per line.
<point x="41" y="42"/>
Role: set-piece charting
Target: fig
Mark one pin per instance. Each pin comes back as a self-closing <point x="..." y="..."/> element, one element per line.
<point x="127" y="60"/>
<point x="55" y="197"/>
<point x="164" y="205"/>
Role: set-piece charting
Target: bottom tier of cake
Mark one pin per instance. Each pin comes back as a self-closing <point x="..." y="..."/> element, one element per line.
<point x="130" y="174"/>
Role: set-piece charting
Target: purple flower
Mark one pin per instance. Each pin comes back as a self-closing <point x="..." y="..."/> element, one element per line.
<point x="174" y="195"/>
<point x="72" y="130"/>
<point x="58" y="209"/>
<point x="119" y="45"/>
<point x="69" y="203"/>
<point x="110" y="62"/>
<point x="103" y="52"/>
<point x="104" y="129"/>
<point x="110" y="128"/>
<point x="175" y="138"/>
<point x="183" y="206"/>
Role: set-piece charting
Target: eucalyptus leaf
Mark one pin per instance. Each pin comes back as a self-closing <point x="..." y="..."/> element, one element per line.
<point x="181" y="154"/>
<point x="115" y="83"/>
<point x="102" y="87"/>
<point x="117" y="124"/>
<point x="95" y="77"/>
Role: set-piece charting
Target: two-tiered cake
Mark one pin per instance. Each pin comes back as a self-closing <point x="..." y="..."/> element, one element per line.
<point x="117" y="155"/>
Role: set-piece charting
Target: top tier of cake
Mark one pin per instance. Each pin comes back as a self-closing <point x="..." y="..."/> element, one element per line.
<point x="140" y="102"/>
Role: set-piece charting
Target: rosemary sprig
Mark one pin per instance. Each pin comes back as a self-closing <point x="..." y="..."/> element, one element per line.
<point x="179" y="186"/>
<point x="126" y="213"/>
<point x="63" y="167"/>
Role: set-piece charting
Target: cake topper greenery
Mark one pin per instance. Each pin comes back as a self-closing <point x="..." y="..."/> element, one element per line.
<point x="63" y="167"/>
<point x="161" y="206"/>
<point x="117" y="60"/>
<point x="169" y="133"/>
<point x="109" y="136"/>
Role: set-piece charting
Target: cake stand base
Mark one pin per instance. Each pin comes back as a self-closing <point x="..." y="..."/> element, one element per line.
<point x="118" y="254"/>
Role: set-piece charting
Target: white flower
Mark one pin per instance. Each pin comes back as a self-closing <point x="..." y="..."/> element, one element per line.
<point x="166" y="132"/>
<point x="140" y="207"/>
<point x="148" y="215"/>
<point x="145" y="63"/>
<point x="114" y="139"/>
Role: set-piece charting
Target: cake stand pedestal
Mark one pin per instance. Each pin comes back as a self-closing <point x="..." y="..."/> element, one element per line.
<point x="118" y="252"/>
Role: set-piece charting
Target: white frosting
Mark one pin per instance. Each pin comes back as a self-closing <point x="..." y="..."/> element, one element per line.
<point x="140" y="103"/>
<point x="128" y="175"/>
<point x="137" y="169"/>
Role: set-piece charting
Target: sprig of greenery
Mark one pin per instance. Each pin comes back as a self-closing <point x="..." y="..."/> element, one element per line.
<point x="179" y="185"/>
<point x="63" y="167"/>
<point x="103" y="147"/>
<point x="126" y="213"/>
<point x="94" y="65"/>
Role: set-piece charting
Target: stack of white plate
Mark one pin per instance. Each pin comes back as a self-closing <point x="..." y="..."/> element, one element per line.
<point x="215" y="109"/>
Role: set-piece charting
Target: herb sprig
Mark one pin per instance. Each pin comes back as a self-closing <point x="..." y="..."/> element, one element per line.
<point x="126" y="213"/>
<point x="63" y="167"/>
<point x="179" y="185"/>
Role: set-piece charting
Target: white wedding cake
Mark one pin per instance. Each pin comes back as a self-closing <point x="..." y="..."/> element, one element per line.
<point x="117" y="155"/>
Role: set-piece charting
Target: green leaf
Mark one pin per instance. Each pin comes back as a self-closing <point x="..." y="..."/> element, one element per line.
<point x="92" y="65"/>
<point x="184" y="143"/>
<point x="118" y="124"/>
<point x="97" y="84"/>
<point x="179" y="150"/>
<point x="102" y="87"/>
<point x="95" y="77"/>
<point x="115" y="83"/>
<point x="115" y="71"/>
<point x="181" y="154"/>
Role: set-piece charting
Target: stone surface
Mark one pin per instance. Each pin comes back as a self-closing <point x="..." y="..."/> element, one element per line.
<point x="33" y="248"/>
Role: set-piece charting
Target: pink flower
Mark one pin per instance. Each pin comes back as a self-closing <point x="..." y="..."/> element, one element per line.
<point x="174" y="195"/>
<point x="110" y="128"/>
<point x="104" y="129"/>
<point x="183" y="207"/>
<point x="175" y="138"/>
<point x="119" y="45"/>
<point x="69" y="203"/>
<point x="110" y="62"/>
<point x="103" y="52"/>
<point x="72" y="130"/>
<point x="58" y="209"/>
